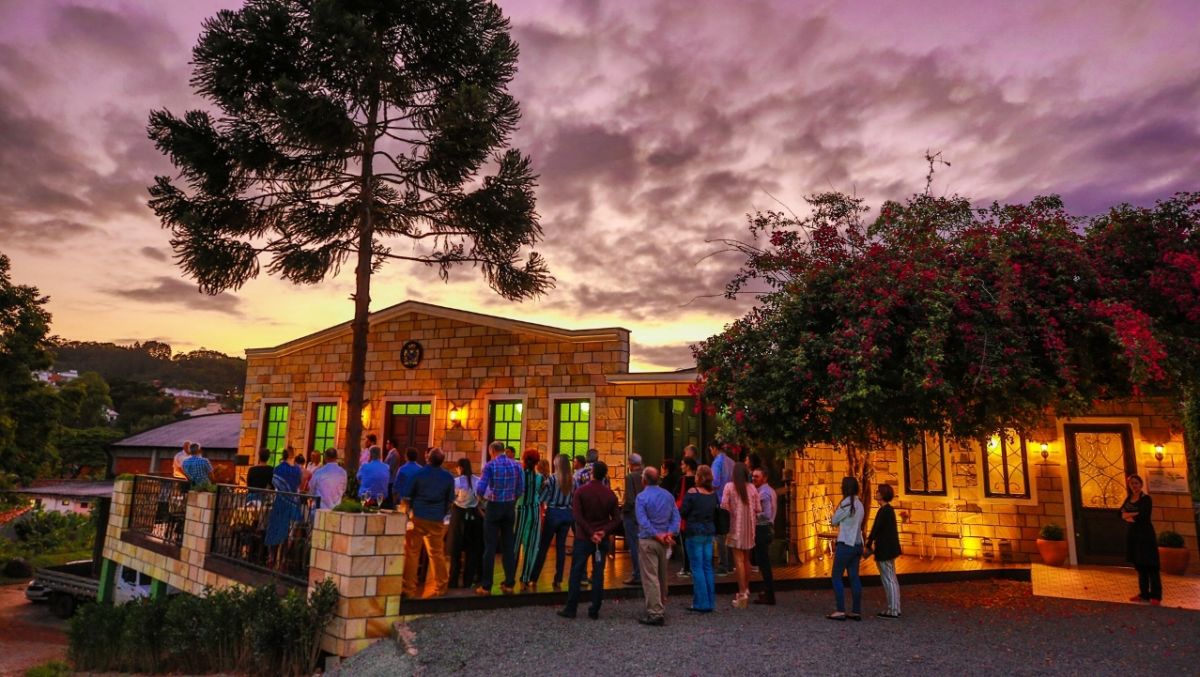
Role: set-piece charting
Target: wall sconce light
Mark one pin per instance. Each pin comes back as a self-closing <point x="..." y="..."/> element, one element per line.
<point x="457" y="415"/>
<point x="1045" y="451"/>
<point x="1158" y="452"/>
<point x="366" y="415"/>
<point x="994" y="445"/>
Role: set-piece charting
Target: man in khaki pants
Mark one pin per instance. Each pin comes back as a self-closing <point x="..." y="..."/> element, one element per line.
<point x="428" y="497"/>
<point x="658" y="524"/>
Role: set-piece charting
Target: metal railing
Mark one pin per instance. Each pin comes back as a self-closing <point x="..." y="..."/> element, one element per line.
<point x="159" y="508"/>
<point x="264" y="530"/>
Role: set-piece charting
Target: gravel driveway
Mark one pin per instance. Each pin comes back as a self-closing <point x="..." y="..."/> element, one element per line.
<point x="986" y="627"/>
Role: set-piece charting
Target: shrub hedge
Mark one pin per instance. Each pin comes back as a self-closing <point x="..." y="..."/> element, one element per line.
<point x="253" y="631"/>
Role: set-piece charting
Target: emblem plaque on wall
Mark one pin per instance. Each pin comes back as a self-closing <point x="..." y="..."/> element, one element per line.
<point x="411" y="354"/>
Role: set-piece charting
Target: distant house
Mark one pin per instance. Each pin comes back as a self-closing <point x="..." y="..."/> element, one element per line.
<point x="56" y="377"/>
<point x="153" y="450"/>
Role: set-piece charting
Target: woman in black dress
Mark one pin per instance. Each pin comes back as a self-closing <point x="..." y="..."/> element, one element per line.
<point x="1141" y="546"/>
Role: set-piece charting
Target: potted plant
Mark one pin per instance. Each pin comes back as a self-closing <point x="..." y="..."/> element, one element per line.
<point x="1052" y="545"/>
<point x="1172" y="555"/>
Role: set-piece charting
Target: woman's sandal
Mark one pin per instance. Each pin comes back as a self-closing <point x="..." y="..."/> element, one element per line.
<point x="837" y="616"/>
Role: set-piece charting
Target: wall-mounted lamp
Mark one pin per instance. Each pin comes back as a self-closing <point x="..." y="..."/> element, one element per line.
<point x="366" y="415"/>
<point x="456" y="416"/>
<point x="1045" y="451"/>
<point x="1158" y="452"/>
<point x="994" y="445"/>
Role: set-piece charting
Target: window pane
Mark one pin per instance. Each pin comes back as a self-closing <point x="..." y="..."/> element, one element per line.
<point x="324" y="426"/>
<point x="1007" y="466"/>
<point x="924" y="466"/>
<point x="275" y="431"/>
<point x="505" y="424"/>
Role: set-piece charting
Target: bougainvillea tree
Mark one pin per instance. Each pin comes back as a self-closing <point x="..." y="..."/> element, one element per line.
<point x="1148" y="260"/>
<point x="933" y="317"/>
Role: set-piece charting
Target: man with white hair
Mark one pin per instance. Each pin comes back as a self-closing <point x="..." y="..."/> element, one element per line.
<point x="658" y="524"/>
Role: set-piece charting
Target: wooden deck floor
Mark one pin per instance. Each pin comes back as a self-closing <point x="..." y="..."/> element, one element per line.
<point x="813" y="574"/>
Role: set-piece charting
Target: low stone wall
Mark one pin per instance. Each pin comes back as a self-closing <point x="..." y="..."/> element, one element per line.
<point x="363" y="554"/>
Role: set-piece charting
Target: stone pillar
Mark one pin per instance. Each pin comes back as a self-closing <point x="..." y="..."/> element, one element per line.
<point x="118" y="512"/>
<point x="363" y="554"/>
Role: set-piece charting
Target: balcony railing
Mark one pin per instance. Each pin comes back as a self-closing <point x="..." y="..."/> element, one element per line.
<point x="264" y="530"/>
<point x="159" y="508"/>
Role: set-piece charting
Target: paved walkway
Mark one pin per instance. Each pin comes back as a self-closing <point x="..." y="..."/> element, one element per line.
<point x="29" y="634"/>
<point x="974" y="628"/>
<point x="1111" y="584"/>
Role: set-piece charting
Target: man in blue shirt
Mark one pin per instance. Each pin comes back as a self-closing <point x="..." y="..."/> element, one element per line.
<point x="499" y="484"/>
<point x="722" y="467"/>
<point x="658" y="524"/>
<point x="429" y="496"/>
<point x="373" y="478"/>
<point x="405" y="474"/>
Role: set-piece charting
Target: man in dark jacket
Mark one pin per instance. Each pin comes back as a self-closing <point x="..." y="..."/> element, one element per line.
<point x="633" y="487"/>
<point x="596" y="513"/>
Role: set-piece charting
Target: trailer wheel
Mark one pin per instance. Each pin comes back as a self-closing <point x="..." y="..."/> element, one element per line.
<point x="62" y="604"/>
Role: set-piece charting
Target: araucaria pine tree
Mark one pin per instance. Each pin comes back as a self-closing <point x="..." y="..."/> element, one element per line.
<point x="351" y="131"/>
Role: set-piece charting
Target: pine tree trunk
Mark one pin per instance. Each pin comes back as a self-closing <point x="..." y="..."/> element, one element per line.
<point x="858" y="466"/>
<point x="357" y="379"/>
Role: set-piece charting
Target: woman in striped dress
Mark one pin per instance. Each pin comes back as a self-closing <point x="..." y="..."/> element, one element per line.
<point x="557" y="495"/>
<point x="529" y="518"/>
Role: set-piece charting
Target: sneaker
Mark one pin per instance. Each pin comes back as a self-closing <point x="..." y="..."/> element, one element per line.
<point x="652" y="620"/>
<point x="594" y="615"/>
<point x="684" y="573"/>
<point x="888" y="614"/>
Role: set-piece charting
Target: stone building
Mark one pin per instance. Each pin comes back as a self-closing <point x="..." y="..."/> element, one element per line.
<point x="443" y="377"/>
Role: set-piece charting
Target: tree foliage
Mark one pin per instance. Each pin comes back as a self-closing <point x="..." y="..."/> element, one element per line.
<point x="28" y="408"/>
<point x="934" y="316"/>
<point x="154" y="362"/>
<point x="351" y="131"/>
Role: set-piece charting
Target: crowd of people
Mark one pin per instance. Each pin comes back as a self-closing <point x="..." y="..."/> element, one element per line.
<point x="718" y="517"/>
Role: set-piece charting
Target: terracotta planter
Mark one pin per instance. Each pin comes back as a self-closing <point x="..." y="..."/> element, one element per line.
<point x="1173" y="560"/>
<point x="1054" y="553"/>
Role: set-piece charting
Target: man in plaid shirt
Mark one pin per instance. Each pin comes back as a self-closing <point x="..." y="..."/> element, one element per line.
<point x="197" y="468"/>
<point x="499" y="484"/>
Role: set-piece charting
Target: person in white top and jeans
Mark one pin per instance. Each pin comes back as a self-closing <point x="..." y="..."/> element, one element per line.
<point x="466" y="530"/>
<point x="848" y="518"/>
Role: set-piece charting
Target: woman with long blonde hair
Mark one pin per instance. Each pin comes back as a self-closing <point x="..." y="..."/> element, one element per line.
<point x="557" y="494"/>
<point x="740" y="499"/>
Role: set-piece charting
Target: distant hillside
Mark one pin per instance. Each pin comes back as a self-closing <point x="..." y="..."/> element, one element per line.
<point x="153" y="361"/>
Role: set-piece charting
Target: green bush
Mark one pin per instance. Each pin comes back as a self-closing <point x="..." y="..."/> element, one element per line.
<point x="1170" y="539"/>
<point x="1051" y="532"/>
<point x="248" y="631"/>
<point x="348" y="505"/>
<point x="50" y="669"/>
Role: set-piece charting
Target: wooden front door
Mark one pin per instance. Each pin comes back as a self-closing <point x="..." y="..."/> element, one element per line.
<point x="1099" y="458"/>
<point x="408" y="425"/>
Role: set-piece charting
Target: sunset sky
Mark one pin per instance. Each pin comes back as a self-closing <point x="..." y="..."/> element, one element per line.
<point x="655" y="126"/>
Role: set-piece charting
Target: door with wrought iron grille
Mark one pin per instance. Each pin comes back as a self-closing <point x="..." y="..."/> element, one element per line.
<point x="1099" y="458"/>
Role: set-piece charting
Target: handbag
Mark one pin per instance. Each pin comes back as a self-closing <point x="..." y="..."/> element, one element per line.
<point x="721" y="521"/>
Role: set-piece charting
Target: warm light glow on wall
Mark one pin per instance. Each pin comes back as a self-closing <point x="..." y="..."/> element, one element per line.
<point x="1158" y="452"/>
<point x="994" y="444"/>
<point x="366" y="415"/>
<point x="457" y="416"/>
<point x="971" y="546"/>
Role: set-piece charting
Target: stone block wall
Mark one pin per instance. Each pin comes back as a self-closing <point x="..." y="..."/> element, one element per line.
<point x="363" y="554"/>
<point x="463" y="364"/>
<point x="186" y="572"/>
<point x="980" y="521"/>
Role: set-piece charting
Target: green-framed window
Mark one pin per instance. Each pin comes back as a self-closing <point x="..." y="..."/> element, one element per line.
<point x="504" y="423"/>
<point x="275" y="430"/>
<point x="572" y="427"/>
<point x="1007" y="462"/>
<point x="411" y="409"/>
<point x="324" y="426"/>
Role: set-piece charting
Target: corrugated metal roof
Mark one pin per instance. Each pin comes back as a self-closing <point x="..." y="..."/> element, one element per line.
<point x="218" y="431"/>
<point x="72" y="489"/>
